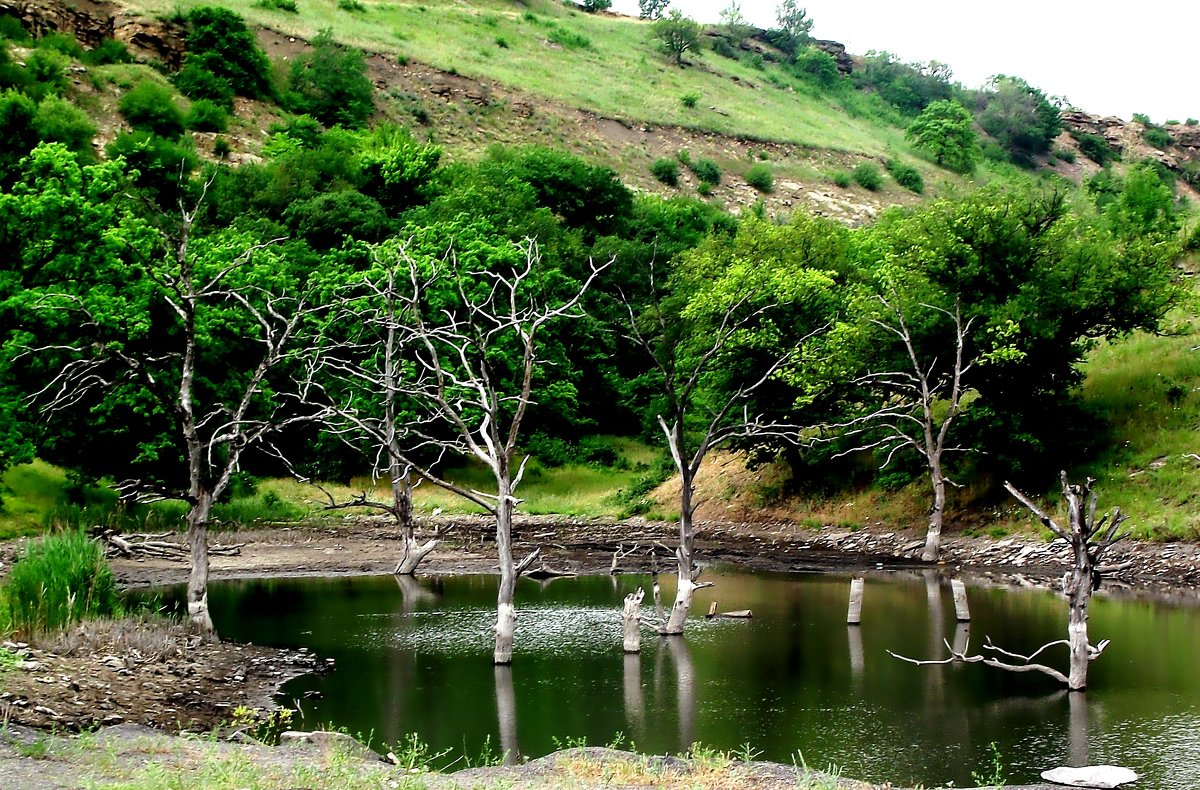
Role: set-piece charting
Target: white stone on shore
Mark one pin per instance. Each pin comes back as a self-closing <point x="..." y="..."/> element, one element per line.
<point x="1101" y="776"/>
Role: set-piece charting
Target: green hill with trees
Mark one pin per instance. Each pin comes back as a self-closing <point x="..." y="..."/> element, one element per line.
<point x="254" y="262"/>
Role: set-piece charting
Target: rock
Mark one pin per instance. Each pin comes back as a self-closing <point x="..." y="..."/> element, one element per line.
<point x="330" y="741"/>
<point x="1104" y="776"/>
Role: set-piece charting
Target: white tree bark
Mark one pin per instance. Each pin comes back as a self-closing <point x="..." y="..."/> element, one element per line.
<point x="631" y="620"/>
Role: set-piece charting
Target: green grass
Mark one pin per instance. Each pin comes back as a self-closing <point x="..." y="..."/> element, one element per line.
<point x="29" y="492"/>
<point x="60" y="580"/>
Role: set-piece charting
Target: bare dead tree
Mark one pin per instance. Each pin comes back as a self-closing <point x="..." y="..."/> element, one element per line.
<point x="213" y="435"/>
<point x="1089" y="537"/>
<point x="922" y="403"/>
<point x="722" y="417"/>
<point x="482" y="409"/>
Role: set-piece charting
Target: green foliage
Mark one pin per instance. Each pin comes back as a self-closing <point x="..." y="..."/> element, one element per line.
<point x="59" y="121"/>
<point x="330" y="83"/>
<point x="207" y="116"/>
<point x="353" y="6"/>
<point x="197" y="82"/>
<point x="652" y="9"/>
<point x="61" y="43"/>
<point x="708" y="171"/>
<point x="689" y="100"/>
<point x="218" y="41"/>
<point x="906" y="176"/>
<point x="150" y="107"/>
<point x="1095" y="147"/>
<point x="592" y="6"/>
<point x="395" y="167"/>
<point x="286" y="6"/>
<point x="1020" y="118"/>
<point x="1066" y="155"/>
<point x="1158" y="137"/>
<point x="327" y="220"/>
<point x="676" y="35"/>
<point x="568" y="38"/>
<point x="816" y="66"/>
<point x="221" y="147"/>
<point x="666" y="171"/>
<point x="761" y="177"/>
<point x="909" y="87"/>
<point x="160" y="163"/>
<point x="868" y="176"/>
<point x="945" y="129"/>
<point x="107" y="52"/>
<point x="795" y="25"/>
<point x="47" y="73"/>
<point x="842" y="178"/>
<point x="12" y="30"/>
<point x="17" y="112"/>
<point x="61" y="580"/>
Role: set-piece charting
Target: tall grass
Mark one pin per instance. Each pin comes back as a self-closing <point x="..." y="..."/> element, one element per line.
<point x="60" y="580"/>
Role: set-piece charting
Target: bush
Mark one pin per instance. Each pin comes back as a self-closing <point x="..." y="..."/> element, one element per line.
<point x="221" y="148"/>
<point x="1094" y="147"/>
<point x="59" y="121"/>
<point x="353" y="6"/>
<point x="197" y="82"/>
<point x="550" y="451"/>
<point x="689" y="100"/>
<point x="327" y="220"/>
<point x="61" y="43"/>
<point x="12" y="30"/>
<point x="1158" y="137"/>
<point x="906" y="176"/>
<point x="722" y="47"/>
<point x="592" y="6"/>
<point x="1065" y="154"/>
<point x="219" y="41"/>
<point x="816" y="67"/>
<point x="286" y="6"/>
<point x="207" y="116"/>
<point x="868" y="176"/>
<point x="61" y="580"/>
<point x="704" y="188"/>
<point x="108" y="52"/>
<point x="666" y="171"/>
<point x="17" y="112"/>
<point x="46" y="69"/>
<point x="330" y="83"/>
<point x="761" y="177"/>
<point x="569" y="39"/>
<point x="160" y="162"/>
<point x="1192" y="122"/>
<point x="151" y="107"/>
<point x="707" y="171"/>
<point x="842" y="179"/>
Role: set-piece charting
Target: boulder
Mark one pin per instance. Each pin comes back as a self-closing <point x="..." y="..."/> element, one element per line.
<point x="1101" y="776"/>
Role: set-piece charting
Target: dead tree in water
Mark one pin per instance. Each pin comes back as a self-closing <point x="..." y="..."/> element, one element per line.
<point x="460" y="352"/>
<point x="1089" y="537"/>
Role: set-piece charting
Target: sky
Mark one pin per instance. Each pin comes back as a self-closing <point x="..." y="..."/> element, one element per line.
<point x="1106" y="57"/>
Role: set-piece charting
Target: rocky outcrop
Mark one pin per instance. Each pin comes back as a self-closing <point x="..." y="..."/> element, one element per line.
<point x="1111" y="128"/>
<point x="837" y="50"/>
<point x="92" y="23"/>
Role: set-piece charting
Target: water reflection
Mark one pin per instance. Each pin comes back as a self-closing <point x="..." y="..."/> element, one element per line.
<point x="416" y="658"/>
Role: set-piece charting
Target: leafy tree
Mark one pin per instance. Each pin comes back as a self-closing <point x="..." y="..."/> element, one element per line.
<point x="946" y="130"/>
<point x="593" y="6"/>
<point x="816" y="66"/>
<point x="909" y="87"/>
<point x="330" y="83"/>
<point x="396" y="167"/>
<point x="17" y="112"/>
<point x="150" y="107"/>
<point x="734" y="22"/>
<point x="1020" y="117"/>
<point x="677" y="35"/>
<point x="59" y="121"/>
<point x="652" y="9"/>
<point x="795" y="25"/>
<point x="219" y="42"/>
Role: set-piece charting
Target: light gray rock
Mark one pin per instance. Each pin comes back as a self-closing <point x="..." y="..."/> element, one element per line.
<point x="1103" y="776"/>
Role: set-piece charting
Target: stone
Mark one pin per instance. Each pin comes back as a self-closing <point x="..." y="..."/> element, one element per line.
<point x="1101" y="776"/>
<point x="328" y="741"/>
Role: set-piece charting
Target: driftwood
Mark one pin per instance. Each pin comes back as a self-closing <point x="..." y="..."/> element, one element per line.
<point x="156" y="545"/>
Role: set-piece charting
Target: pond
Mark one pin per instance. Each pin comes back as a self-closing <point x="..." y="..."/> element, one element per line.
<point x="795" y="682"/>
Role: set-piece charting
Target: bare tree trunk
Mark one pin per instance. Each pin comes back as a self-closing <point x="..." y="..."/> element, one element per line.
<point x="197" y="591"/>
<point x="631" y="618"/>
<point x="933" y="535"/>
<point x="506" y="613"/>
<point x="683" y="554"/>
<point x="414" y="552"/>
<point x="1079" y="593"/>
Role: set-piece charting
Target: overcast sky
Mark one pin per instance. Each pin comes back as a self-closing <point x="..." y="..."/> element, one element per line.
<point x="1107" y="57"/>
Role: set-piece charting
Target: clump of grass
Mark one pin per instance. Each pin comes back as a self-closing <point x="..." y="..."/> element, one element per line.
<point x="287" y="6"/>
<point x="689" y="100"/>
<point x="353" y="6"/>
<point x="761" y="177"/>
<point x="868" y="176"/>
<point x="842" y="179"/>
<point x="666" y="171"/>
<point x="569" y="39"/>
<point x="61" y="580"/>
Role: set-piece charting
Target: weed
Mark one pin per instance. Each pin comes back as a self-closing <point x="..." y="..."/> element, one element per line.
<point x="61" y="580"/>
<point x="287" y="6"/>
<point x="414" y="755"/>
<point x="842" y="179"/>
<point x="867" y="176"/>
<point x="689" y="100"/>
<point x="666" y="171"/>
<point x="264" y="726"/>
<point x="994" y="776"/>
<point x="761" y="177"/>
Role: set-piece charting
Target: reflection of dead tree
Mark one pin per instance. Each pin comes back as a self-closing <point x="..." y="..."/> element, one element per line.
<point x="922" y="405"/>
<point x="1089" y="537"/>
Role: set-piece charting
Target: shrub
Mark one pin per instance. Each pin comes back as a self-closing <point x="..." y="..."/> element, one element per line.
<point x="207" y="116"/>
<point x="221" y="148"/>
<point x="108" y="52"/>
<point x="1192" y="122"/>
<point x="666" y="171"/>
<point x="353" y="6"/>
<point x="816" y="67"/>
<point x="12" y="30"/>
<point x="17" y="112"/>
<point x="197" y="82"/>
<point x="707" y="171"/>
<point x="219" y="41"/>
<point x="61" y="43"/>
<point x="151" y="107"/>
<point x="160" y="162"/>
<point x="396" y="167"/>
<point x="592" y="6"/>
<point x="1065" y="154"/>
<point x="842" y="179"/>
<point x="46" y="69"/>
<point x="286" y="6"/>
<point x="59" y="121"/>
<point x="722" y="47"/>
<point x="550" y="451"/>
<point x="327" y="220"/>
<point x="61" y="580"/>
<point x="1094" y="147"/>
<point x="761" y="177"/>
<point x="868" y="176"/>
<point x="689" y="100"/>
<point x="1158" y="137"/>
<point x="569" y="39"/>
<point x="330" y="83"/>
<point x="704" y="188"/>
<point x="906" y="176"/>
<point x="502" y="42"/>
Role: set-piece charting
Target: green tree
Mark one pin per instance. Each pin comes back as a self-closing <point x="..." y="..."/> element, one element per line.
<point x="677" y="35"/>
<point x="218" y="42"/>
<point x="795" y="24"/>
<point x="946" y="130"/>
<point x="330" y="83"/>
<point x="652" y="9"/>
<point x="593" y="6"/>
<point x="1020" y="117"/>
<point x="734" y="22"/>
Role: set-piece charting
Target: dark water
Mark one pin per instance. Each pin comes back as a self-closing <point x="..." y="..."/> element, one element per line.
<point x="794" y="680"/>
